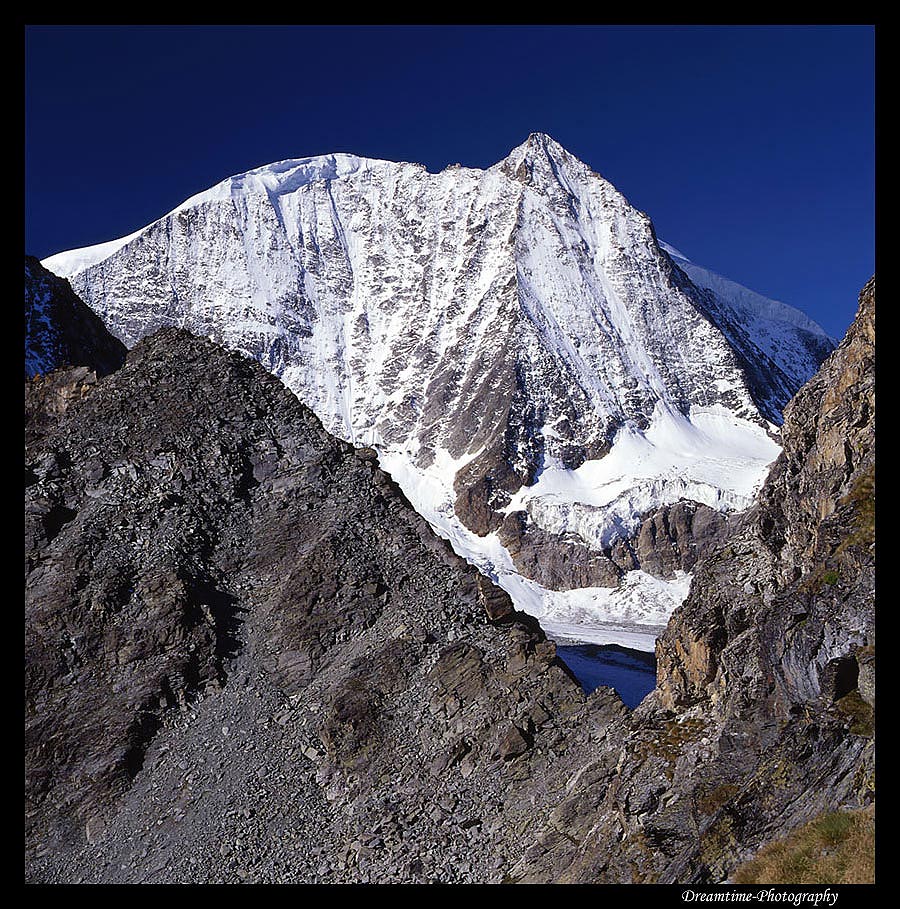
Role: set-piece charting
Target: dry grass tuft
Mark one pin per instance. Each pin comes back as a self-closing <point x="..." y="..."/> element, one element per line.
<point x="861" y="714"/>
<point x="835" y="848"/>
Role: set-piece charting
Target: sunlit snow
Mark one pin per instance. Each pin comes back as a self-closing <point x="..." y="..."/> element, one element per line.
<point x="400" y="304"/>
<point x="710" y="457"/>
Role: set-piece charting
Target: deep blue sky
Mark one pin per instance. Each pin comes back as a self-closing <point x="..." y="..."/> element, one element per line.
<point x="751" y="148"/>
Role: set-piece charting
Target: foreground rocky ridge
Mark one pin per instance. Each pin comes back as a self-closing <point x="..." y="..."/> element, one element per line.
<point x="249" y="659"/>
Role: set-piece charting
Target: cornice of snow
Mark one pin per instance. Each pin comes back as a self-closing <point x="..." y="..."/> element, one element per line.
<point x="277" y="178"/>
<point x="674" y="253"/>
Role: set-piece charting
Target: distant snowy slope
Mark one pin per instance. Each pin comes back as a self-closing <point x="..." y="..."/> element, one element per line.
<point x="793" y="342"/>
<point x="745" y="300"/>
<point x="509" y="339"/>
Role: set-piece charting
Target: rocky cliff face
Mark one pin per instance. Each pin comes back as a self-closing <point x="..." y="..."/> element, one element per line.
<point x="804" y="562"/>
<point x="763" y="713"/>
<point x="60" y="330"/>
<point x="480" y="329"/>
<point x="248" y="659"/>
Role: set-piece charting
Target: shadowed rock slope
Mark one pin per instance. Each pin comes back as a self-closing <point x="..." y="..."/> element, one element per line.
<point x="60" y="330"/>
<point x="247" y="658"/>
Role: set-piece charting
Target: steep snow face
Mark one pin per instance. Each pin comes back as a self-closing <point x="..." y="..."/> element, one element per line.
<point x="481" y="329"/>
<point x="392" y="299"/>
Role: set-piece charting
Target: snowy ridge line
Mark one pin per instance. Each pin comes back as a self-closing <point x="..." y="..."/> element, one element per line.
<point x="748" y="300"/>
<point x="277" y="178"/>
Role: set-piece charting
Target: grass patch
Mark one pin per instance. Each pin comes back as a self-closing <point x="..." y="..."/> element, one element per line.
<point x="821" y="575"/>
<point x="835" y="848"/>
<point x="641" y="868"/>
<point x="862" y="716"/>
<point x="718" y="841"/>
<point x="862" y="498"/>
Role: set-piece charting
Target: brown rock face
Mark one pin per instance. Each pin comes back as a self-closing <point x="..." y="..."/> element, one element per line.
<point x="668" y="539"/>
<point x="803" y="560"/>
<point x="674" y="536"/>
<point x="48" y="397"/>
<point x="496" y="601"/>
<point x="554" y="561"/>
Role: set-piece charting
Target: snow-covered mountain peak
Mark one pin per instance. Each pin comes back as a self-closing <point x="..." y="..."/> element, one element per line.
<point x="542" y="164"/>
<point x="481" y="329"/>
<point x="538" y="146"/>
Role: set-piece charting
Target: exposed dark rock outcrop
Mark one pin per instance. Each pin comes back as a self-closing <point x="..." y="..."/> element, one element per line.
<point x="672" y="538"/>
<point x="669" y="539"/>
<point x="553" y="560"/>
<point x="60" y="330"/>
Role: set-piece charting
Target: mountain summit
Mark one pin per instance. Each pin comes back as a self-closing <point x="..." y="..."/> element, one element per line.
<point x="533" y="367"/>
